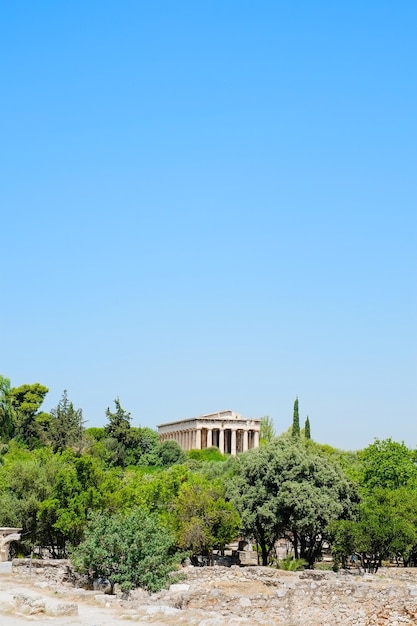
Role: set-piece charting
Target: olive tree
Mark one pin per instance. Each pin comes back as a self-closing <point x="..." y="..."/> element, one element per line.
<point x="285" y="490"/>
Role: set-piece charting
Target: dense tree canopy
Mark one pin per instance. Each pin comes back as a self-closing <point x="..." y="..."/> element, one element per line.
<point x="386" y="523"/>
<point x="285" y="490"/>
<point x="67" y="486"/>
<point x="202" y="518"/>
<point x="30" y="424"/>
<point x="387" y="464"/>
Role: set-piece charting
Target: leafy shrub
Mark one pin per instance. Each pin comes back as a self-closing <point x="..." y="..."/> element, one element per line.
<point x="170" y="453"/>
<point x="207" y="454"/>
<point x="133" y="550"/>
<point x="292" y="565"/>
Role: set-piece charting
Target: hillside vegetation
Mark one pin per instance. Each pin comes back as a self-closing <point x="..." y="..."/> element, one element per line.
<point x="124" y="506"/>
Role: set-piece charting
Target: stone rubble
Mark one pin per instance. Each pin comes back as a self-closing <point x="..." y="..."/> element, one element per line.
<point x="243" y="596"/>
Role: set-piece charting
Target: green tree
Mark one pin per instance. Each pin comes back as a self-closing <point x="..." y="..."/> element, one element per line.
<point x="307" y="430"/>
<point x="143" y="446"/>
<point x="133" y="550"/>
<point x="118" y="425"/>
<point x="75" y="493"/>
<point x="66" y="425"/>
<point x="7" y="424"/>
<point x="31" y="424"/>
<point x="295" y="421"/>
<point x="26" y="479"/>
<point x="285" y="490"/>
<point x="386" y="527"/>
<point x="153" y="492"/>
<point x="128" y="445"/>
<point x="387" y="463"/>
<point x="267" y="432"/>
<point x="170" y="453"/>
<point x="203" y="518"/>
<point x="118" y="434"/>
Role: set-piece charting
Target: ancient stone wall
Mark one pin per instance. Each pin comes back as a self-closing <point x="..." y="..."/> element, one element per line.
<point x="54" y="570"/>
<point x="220" y="596"/>
<point x="310" y="598"/>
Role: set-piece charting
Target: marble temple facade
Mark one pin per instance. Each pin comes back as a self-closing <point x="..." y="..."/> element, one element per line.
<point x="227" y="430"/>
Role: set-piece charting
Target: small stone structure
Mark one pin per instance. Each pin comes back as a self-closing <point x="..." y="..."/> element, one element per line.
<point x="227" y="430"/>
<point x="7" y="535"/>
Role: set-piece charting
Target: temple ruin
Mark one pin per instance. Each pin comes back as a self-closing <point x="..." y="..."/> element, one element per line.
<point x="7" y="535"/>
<point x="227" y="430"/>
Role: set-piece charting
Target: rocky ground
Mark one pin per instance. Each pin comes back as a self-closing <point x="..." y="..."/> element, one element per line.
<point x="220" y="596"/>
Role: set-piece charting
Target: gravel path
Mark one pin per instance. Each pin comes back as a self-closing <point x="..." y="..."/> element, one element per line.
<point x="90" y="613"/>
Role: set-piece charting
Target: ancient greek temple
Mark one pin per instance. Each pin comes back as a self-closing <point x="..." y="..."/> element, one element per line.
<point x="227" y="430"/>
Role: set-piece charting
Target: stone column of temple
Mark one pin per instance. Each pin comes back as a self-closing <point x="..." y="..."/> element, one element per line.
<point x="221" y="440"/>
<point x="245" y="441"/>
<point x="188" y="445"/>
<point x="256" y="439"/>
<point x="233" y="442"/>
<point x="209" y="437"/>
<point x="198" y="438"/>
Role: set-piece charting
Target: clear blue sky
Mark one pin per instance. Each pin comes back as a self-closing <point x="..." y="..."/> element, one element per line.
<point x="211" y="205"/>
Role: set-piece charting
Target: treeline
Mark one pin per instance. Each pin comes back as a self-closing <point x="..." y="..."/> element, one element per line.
<point x="125" y="506"/>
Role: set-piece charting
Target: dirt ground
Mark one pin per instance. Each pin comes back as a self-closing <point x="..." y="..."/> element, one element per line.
<point x="90" y="613"/>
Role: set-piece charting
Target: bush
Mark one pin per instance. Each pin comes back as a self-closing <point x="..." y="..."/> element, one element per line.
<point x="292" y="565"/>
<point x="133" y="550"/>
<point x="207" y="454"/>
<point x="170" y="453"/>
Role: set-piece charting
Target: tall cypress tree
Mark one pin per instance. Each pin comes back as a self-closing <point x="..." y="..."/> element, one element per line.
<point x="307" y="431"/>
<point x="296" y="420"/>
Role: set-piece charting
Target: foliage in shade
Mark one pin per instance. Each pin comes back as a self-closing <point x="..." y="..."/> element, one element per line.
<point x="133" y="550"/>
